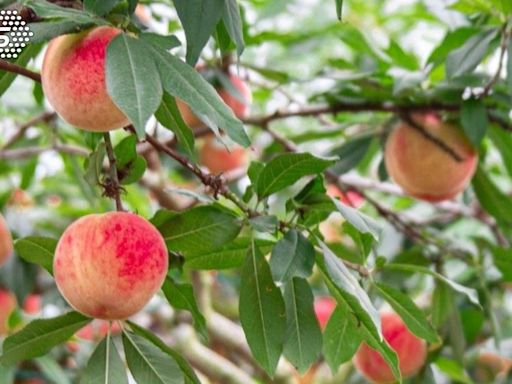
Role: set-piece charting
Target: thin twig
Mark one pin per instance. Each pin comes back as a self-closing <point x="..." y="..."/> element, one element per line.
<point x="505" y="40"/>
<point x="45" y="117"/>
<point x="23" y="153"/>
<point x="14" y="68"/>
<point x="113" y="189"/>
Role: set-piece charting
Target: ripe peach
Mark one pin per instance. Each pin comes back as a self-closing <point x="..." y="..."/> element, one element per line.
<point x="20" y="198"/>
<point x="97" y="330"/>
<point x="73" y="77"/>
<point x="240" y="108"/>
<point x="411" y="351"/>
<point x="421" y="167"/>
<point x="142" y="13"/>
<point x="108" y="266"/>
<point x="32" y="304"/>
<point x="324" y="307"/>
<point x="6" y="246"/>
<point x="214" y="156"/>
<point x="7" y="306"/>
<point x="350" y="198"/>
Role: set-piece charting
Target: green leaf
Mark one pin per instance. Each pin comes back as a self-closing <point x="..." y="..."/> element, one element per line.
<point x="182" y="81"/>
<point x="451" y="41"/>
<point x="199" y="18"/>
<point x="348" y="293"/>
<point x="503" y="261"/>
<point x="99" y="7"/>
<point x="47" y="30"/>
<point x="285" y="169"/>
<point x="200" y="229"/>
<point x="130" y="166"/>
<point x="509" y="67"/>
<point x="169" y="116"/>
<point x="39" y="336"/>
<point x="339" y="7"/>
<point x="105" y="365"/>
<point x="359" y="221"/>
<point x="166" y="42"/>
<point x="94" y="165"/>
<point x="188" y="372"/>
<point x="453" y="370"/>
<point x="503" y="141"/>
<point x="181" y="296"/>
<point x="52" y="370"/>
<point x="45" y="9"/>
<point x="132" y="79"/>
<point x="493" y="200"/>
<point x="470" y="293"/>
<point x="233" y="23"/>
<point x="37" y="250"/>
<point x="413" y="317"/>
<point x="341" y="338"/>
<point x="231" y="255"/>
<point x="148" y="363"/>
<point x="293" y="255"/>
<point x="474" y="120"/>
<point x="254" y="171"/>
<point x="465" y="59"/>
<point x="303" y="337"/>
<point x="6" y="78"/>
<point x="264" y="223"/>
<point x="262" y="311"/>
<point x="351" y="153"/>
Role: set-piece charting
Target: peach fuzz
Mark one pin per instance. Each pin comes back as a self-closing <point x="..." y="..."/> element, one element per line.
<point x="239" y="108"/>
<point x="73" y="78"/>
<point x="324" y="307"/>
<point x="218" y="159"/>
<point x="411" y="351"/>
<point x="7" y="306"/>
<point x="108" y="266"/>
<point x="6" y="247"/>
<point x="421" y="167"/>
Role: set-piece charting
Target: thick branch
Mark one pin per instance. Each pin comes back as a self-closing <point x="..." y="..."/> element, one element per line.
<point x="13" y="68"/>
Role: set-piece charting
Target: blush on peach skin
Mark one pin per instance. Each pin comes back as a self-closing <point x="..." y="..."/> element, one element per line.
<point x="108" y="266"/>
<point x="6" y="247"/>
<point x="73" y="79"/>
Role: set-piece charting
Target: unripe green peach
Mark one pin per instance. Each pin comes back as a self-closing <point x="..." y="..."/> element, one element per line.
<point x="423" y="168"/>
<point x="73" y="78"/>
<point x="108" y="266"/>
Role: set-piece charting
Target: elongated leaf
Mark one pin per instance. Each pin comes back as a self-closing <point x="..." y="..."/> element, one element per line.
<point x="148" y="363"/>
<point x="494" y="201"/>
<point x="474" y="120"/>
<point x="466" y="58"/>
<point x="188" y="372"/>
<point x="39" y="336"/>
<point x="199" y="18"/>
<point x="359" y="221"/>
<point x="503" y="141"/>
<point x="470" y="293"/>
<point x="233" y="22"/>
<point x="52" y="370"/>
<point x="169" y="116"/>
<point x="199" y="229"/>
<point x="350" y="294"/>
<point x="339" y="8"/>
<point x="132" y="79"/>
<point x="284" y="170"/>
<point x="303" y="337"/>
<point x="105" y="365"/>
<point x="413" y="317"/>
<point x="262" y="311"/>
<point x="47" y="30"/>
<point x="45" y="9"/>
<point x="503" y="261"/>
<point x="351" y="153"/>
<point x="292" y="256"/>
<point x="182" y="81"/>
<point x="509" y="68"/>
<point x="181" y="296"/>
<point x="341" y="338"/>
<point x="37" y="250"/>
<point x="99" y="7"/>
<point x="231" y="255"/>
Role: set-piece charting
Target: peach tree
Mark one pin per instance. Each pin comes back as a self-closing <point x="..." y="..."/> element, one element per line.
<point x="224" y="191"/>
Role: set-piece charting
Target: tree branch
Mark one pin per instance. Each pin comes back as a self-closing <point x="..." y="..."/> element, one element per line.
<point x="14" y="68"/>
<point x="45" y="117"/>
<point x="113" y="188"/>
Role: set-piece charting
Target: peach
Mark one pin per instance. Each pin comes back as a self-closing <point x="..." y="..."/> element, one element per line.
<point x="108" y="266"/>
<point x="324" y="307"/>
<point x="97" y="330"/>
<point x="422" y="167"/>
<point x="411" y="351"/>
<point x="350" y="198"/>
<point x="6" y="247"/>
<point x="73" y="78"/>
<point x="218" y="159"/>
<point x="240" y="108"/>
<point x="32" y="304"/>
<point x="7" y="306"/>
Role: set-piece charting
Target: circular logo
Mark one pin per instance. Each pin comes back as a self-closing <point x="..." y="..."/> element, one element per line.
<point x="14" y="34"/>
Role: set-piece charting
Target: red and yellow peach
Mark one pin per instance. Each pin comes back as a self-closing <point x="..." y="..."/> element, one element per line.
<point x="6" y="247"/>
